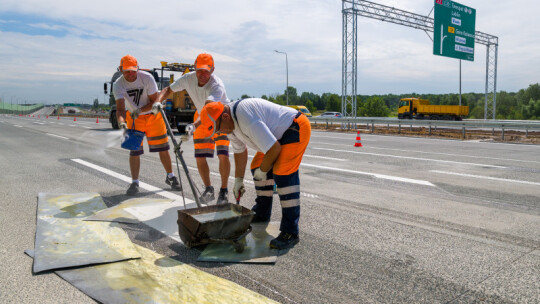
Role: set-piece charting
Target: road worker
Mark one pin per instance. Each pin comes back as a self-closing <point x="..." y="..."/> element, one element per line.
<point x="136" y="91"/>
<point x="280" y="136"/>
<point x="203" y="86"/>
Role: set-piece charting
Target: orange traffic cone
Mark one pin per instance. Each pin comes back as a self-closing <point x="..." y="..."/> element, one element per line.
<point x="97" y="119"/>
<point x="358" y="142"/>
<point x="75" y="118"/>
<point x="38" y="116"/>
<point x="47" y="116"/>
<point x="58" y="118"/>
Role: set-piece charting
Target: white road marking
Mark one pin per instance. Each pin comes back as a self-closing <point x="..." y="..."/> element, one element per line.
<point x="381" y="176"/>
<point x="60" y="123"/>
<point x="128" y="179"/>
<point x="486" y="177"/>
<point x="459" y="155"/>
<point x="414" y="158"/>
<point x="87" y="127"/>
<point x="73" y="125"/>
<point x="18" y="126"/>
<point x="50" y="134"/>
<point x="324" y="157"/>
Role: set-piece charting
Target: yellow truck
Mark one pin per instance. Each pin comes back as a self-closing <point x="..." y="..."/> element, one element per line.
<point x="417" y="108"/>
<point x="302" y="109"/>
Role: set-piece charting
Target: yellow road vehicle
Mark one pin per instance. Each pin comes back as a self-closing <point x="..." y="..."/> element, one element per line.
<point x="302" y="109"/>
<point x="417" y="108"/>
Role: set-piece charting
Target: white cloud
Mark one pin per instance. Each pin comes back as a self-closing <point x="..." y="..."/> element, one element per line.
<point x="242" y="36"/>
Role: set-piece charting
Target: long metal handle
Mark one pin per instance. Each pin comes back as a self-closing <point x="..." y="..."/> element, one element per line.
<point x="178" y="153"/>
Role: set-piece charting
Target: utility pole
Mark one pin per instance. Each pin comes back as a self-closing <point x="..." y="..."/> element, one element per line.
<point x="287" y="71"/>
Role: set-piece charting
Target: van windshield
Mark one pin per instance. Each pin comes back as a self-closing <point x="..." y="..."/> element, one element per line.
<point x="305" y="111"/>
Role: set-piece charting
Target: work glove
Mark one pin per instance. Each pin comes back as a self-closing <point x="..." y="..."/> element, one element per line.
<point x="239" y="188"/>
<point x="123" y="126"/>
<point x="259" y="175"/>
<point x="189" y="132"/>
<point x="156" y="107"/>
<point x="135" y="113"/>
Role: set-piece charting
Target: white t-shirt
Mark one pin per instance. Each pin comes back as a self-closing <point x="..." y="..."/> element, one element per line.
<point x="259" y="124"/>
<point x="135" y="93"/>
<point x="213" y="90"/>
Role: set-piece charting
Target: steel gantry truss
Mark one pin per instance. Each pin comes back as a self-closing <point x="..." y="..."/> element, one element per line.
<point x="351" y="9"/>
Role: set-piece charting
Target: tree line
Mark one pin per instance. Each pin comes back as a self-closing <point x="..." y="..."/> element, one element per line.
<point x="521" y="105"/>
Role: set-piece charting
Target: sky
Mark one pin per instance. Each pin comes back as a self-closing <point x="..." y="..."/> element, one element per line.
<point x="56" y="51"/>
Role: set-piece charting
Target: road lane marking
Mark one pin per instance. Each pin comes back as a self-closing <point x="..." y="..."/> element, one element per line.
<point x="434" y="153"/>
<point x="50" y="134"/>
<point x="325" y="157"/>
<point x="381" y="176"/>
<point x="486" y="177"/>
<point x="86" y="127"/>
<point x="128" y="179"/>
<point x="414" y="158"/>
<point x="459" y="155"/>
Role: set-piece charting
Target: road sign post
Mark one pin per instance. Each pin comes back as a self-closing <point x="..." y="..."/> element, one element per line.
<point x="454" y="29"/>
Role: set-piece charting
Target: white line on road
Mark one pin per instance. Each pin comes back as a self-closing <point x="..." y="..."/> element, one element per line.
<point x="415" y="158"/>
<point x="486" y="177"/>
<point x="459" y="155"/>
<point x="50" y="134"/>
<point x="19" y="126"/>
<point x="87" y="127"/>
<point x="127" y="179"/>
<point x="324" y="157"/>
<point x="381" y="176"/>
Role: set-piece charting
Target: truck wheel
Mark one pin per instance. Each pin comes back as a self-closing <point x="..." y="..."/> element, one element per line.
<point x="181" y="129"/>
<point x="114" y="121"/>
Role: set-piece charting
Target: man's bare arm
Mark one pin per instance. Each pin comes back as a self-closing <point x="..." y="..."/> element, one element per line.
<point x="120" y="111"/>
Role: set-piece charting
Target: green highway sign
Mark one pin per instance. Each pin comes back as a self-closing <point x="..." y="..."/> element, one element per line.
<point x="453" y="30"/>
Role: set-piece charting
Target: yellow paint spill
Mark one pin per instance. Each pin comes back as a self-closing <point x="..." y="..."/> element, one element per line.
<point x="158" y="279"/>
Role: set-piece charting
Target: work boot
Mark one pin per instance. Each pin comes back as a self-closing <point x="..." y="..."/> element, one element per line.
<point x="222" y="196"/>
<point x="284" y="240"/>
<point x="133" y="189"/>
<point x="208" y="195"/>
<point x="173" y="181"/>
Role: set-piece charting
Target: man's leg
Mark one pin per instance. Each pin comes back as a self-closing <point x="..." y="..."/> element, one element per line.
<point x="165" y="158"/>
<point x="222" y="147"/>
<point x="287" y="178"/>
<point x="134" y="166"/>
<point x="224" y="169"/>
<point x="264" y="191"/>
<point x="204" y="170"/>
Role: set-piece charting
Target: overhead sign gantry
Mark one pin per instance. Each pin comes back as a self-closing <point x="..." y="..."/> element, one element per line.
<point x="353" y="8"/>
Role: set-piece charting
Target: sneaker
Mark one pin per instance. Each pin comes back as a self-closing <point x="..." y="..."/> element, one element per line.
<point x="284" y="240"/>
<point x="173" y="181"/>
<point x="133" y="189"/>
<point x="222" y="197"/>
<point x="208" y="195"/>
<point x="258" y="219"/>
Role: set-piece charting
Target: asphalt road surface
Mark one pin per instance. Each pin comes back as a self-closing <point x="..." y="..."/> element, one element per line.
<point x="399" y="220"/>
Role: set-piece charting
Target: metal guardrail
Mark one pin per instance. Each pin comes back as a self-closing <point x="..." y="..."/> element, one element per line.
<point x="351" y="123"/>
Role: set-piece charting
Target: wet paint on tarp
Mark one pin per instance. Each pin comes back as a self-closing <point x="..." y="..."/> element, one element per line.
<point x="63" y="239"/>
<point x="119" y="214"/>
<point x="256" y="249"/>
<point x="156" y="279"/>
